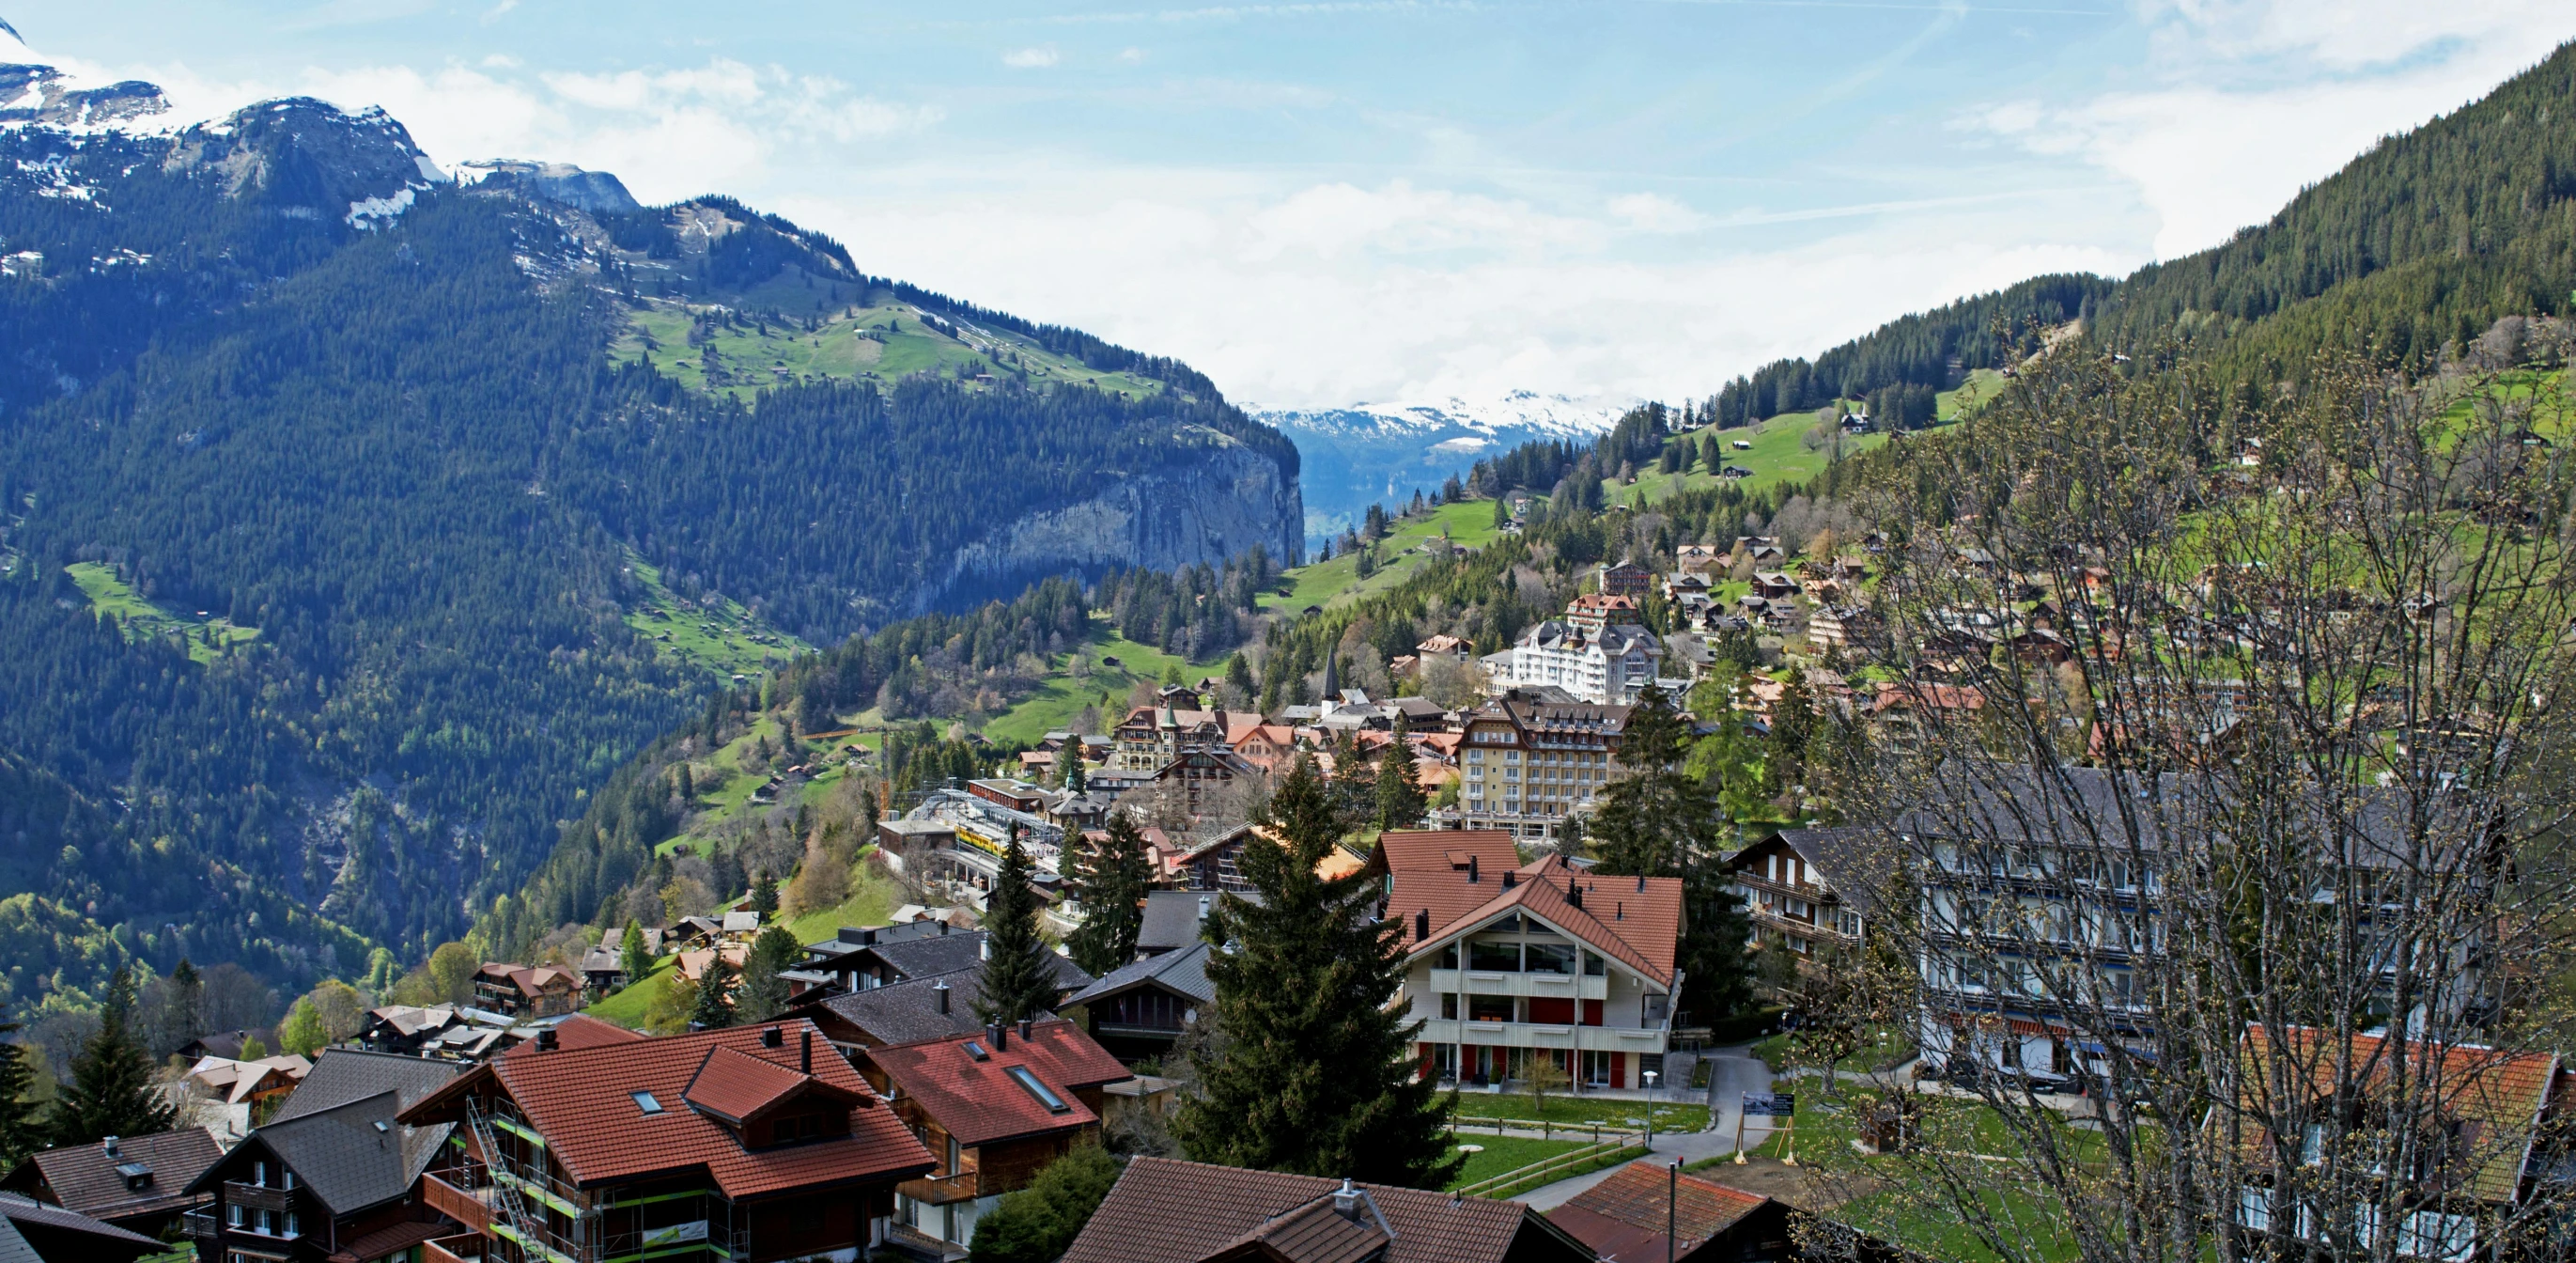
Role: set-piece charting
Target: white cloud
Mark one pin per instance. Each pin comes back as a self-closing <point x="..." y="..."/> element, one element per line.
<point x="1132" y="56"/>
<point x="1654" y="212"/>
<point x="1032" y="58"/>
<point x="2260" y="98"/>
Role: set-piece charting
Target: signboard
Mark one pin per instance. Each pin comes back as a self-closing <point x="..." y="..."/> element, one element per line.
<point x="1770" y="1104"/>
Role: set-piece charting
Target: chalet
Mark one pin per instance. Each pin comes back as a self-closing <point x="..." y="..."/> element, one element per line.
<point x="614" y="940"/>
<point x="860" y="957"/>
<point x="138" y="1183"/>
<point x="905" y="1012"/>
<point x="743" y="1143"/>
<point x="1734" y="472"/>
<point x="1163" y="1210"/>
<point x="1269" y="747"/>
<point x="225" y="1044"/>
<point x="1200" y="775"/>
<point x="330" y="1183"/>
<point x="993" y="1109"/>
<point x="1626" y="579"/>
<point x="1698" y="559"/>
<point x="1445" y="646"/>
<point x="602" y="971"/>
<point x="247" y="1092"/>
<point x="1173" y="919"/>
<point x="1138" y="1011"/>
<point x="1805" y="891"/>
<point x="697" y="931"/>
<point x="1626" y="1219"/>
<point x="521" y="991"/>
<point x="741" y="925"/>
<point x="32" y="1230"/>
<point x="1541" y="960"/>
<point x="1209" y="863"/>
<point x="1772" y="585"/>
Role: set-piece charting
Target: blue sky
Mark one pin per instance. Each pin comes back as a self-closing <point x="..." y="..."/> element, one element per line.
<point x="1336" y="202"/>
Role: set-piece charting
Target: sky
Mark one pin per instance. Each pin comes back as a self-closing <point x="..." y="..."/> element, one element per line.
<point x="1344" y="201"/>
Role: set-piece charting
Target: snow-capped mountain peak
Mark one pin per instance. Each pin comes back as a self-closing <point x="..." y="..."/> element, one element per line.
<point x="1520" y="414"/>
<point x="1384" y="452"/>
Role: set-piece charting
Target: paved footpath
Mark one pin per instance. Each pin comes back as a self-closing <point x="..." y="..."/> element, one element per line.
<point x="1731" y="1071"/>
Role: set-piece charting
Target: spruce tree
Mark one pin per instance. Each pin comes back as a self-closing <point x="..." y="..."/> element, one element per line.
<point x="764" y="896"/>
<point x="19" y="1133"/>
<point x="1076" y="780"/>
<point x="713" y="1007"/>
<point x="1400" y="802"/>
<point x="1316" y="1073"/>
<point x="1016" y="979"/>
<point x="110" y="1091"/>
<point x="632" y="956"/>
<point x="1110" y="884"/>
<point x="763" y="994"/>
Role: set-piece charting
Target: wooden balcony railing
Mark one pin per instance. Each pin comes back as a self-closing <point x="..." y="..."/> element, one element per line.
<point x="467" y="1208"/>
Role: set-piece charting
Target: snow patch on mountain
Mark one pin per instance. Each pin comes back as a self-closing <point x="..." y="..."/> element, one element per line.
<point x="1523" y="414"/>
<point x="1382" y="453"/>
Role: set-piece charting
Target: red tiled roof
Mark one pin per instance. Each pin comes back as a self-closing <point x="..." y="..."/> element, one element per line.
<point x="2504" y="1094"/>
<point x="1638" y="920"/>
<point x="979" y="1102"/>
<point x="1440" y="850"/>
<point x="737" y="1087"/>
<point x="581" y="1100"/>
<point x="1624" y="1216"/>
<point x="1167" y="1211"/>
<point x="581" y="1030"/>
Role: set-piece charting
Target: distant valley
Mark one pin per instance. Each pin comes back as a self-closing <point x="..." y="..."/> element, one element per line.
<point x="1383" y="453"/>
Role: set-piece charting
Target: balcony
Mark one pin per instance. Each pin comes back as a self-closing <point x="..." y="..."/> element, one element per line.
<point x="1629" y="1039"/>
<point x="200" y="1225"/>
<point x="960" y="1187"/>
<point x="470" y="1208"/>
<point x="255" y="1196"/>
<point x="462" y="1248"/>
<point x="1497" y="982"/>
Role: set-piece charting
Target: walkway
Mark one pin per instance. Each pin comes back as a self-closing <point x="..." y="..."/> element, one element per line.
<point x="1732" y="1071"/>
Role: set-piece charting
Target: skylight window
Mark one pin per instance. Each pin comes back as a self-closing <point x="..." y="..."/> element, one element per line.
<point x="976" y="1051"/>
<point x="644" y="1101"/>
<point x="1046" y="1095"/>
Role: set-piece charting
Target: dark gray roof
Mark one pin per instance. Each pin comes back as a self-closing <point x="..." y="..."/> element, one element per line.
<point x="933" y="954"/>
<point x="1184" y="971"/>
<point x="1172" y="917"/>
<point x="352" y="1155"/>
<point x="14" y="1248"/>
<point x="54" y="1220"/>
<point x="342" y="1075"/>
<point x="908" y="1011"/>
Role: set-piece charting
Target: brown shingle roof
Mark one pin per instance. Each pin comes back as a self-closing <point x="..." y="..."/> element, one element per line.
<point x="581" y="1100"/>
<point x="1167" y="1211"/>
<point x="980" y="1101"/>
<point x="83" y="1178"/>
<point x="1623" y="1217"/>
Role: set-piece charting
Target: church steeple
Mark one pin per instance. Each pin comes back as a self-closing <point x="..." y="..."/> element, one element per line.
<point x="1332" y="678"/>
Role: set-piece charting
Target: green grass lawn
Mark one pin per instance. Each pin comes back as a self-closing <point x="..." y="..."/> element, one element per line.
<point x="1503" y="1154"/>
<point x="1062" y="696"/>
<point x="884" y="342"/>
<point x="207" y="636"/>
<point x="1470" y="524"/>
<point x="1581" y="1111"/>
<point x="873" y="899"/>
<point x="626" y="1008"/>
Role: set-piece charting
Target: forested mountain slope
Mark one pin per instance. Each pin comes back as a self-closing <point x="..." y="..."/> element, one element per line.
<point x="2418" y="245"/>
<point x="327" y="489"/>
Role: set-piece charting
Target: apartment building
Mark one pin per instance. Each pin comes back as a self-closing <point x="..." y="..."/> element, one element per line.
<point x="1804" y="893"/>
<point x="1507" y="964"/>
<point x="1525" y="765"/>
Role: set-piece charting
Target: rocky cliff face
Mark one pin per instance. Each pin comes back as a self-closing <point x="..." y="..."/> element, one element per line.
<point x="1220" y="504"/>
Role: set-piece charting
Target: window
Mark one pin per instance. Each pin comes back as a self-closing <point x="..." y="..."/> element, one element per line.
<point x="259" y="1174"/>
<point x="2431" y="1235"/>
<point x="1549" y="958"/>
<point x="1502" y="957"/>
<point x="1594" y="966"/>
<point x="1046" y="1096"/>
<point x="1489" y="1008"/>
<point x="953" y="1157"/>
<point x="286" y="1175"/>
<point x="1449" y="956"/>
<point x="645" y="1101"/>
<point x="290" y="1224"/>
<point x="233" y="1214"/>
<point x="1449" y="1005"/>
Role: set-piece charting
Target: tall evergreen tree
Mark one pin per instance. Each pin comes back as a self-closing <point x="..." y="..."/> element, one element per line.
<point x="19" y="1133"/>
<point x="1400" y="802"/>
<point x="1016" y="979"/>
<point x="1660" y="821"/>
<point x="763" y="994"/>
<point x="1315" y="1075"/>
<point x="764" y="896"/>
<point x="1075" y="779"/>
<point x="632" y="957"/>
<point x="713" y="1007"/>
<point x="1110" y="884"/>
<point x="110" y="1091"/>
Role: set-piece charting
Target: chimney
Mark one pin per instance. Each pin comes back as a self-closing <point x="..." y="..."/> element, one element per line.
<point x="1001" y="1036"/>
<point x="1641" y="883"/>
<point x="943" y="929"/>
<point x="1623" y="911"/>
<point x="805" y="1051"/>
<point x="1574" y="894"/>
<point x="1508" y="876"/>
<point x="772" y="1037"/>
<point x="939" y="994"/>
<point x="1422" y="926"/>
<point x="1472" y="879"/>
<point x="1346" y="1200"/>
<point x="546" y="1040"/>
<point x="108" y="1144"/>
<point x="1025" y="1024"/>
<point x="1203" y="907"/>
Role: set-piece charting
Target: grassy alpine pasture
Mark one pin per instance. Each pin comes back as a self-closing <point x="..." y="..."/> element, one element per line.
<point x="881" y="342"/>
<point x="723" y="638"/>
<point x="208" y="636"/>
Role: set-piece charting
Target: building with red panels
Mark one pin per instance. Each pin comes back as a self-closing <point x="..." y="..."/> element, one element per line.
<point x="1508" y="964"/>
<point x="994" y="1108"/>
<point x="749" y="1144"/>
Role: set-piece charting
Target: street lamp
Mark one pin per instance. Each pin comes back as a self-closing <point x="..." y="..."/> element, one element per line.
<point x="1651" y="1076"/>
